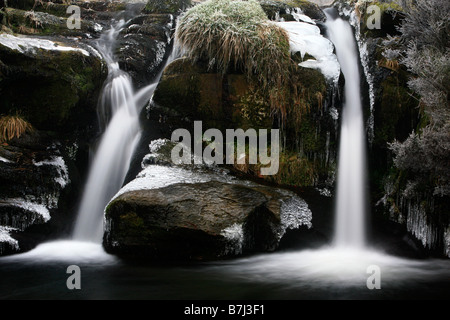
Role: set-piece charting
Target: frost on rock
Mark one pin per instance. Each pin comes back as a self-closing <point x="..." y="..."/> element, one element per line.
<point x="234" y="236"/>
<point x="294" y="214"/>
<point x="40" y="211"/>
<point x="325" y="192"/>
<point x="299" y="16"/>
<point x="160" y="52"/>
<point x="7" y="240"/>
<point x="63" y="173"/>
<point x="306" y="39"/>
<point x="29" y="44"/>
<point x="4" y="160"/>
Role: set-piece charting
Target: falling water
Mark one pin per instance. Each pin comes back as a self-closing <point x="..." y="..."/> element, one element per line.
<point x="351" y="193"/>
<point x="119" y="110"/>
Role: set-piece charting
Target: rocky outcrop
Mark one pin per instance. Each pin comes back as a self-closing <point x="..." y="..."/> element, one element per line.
<point x="61" y="79"/>
<point x="193" y="213"/>
<point x="287" y="9"/>
<point x="190" y="91"/>
<point x="167" y="6"/>
<point x="144" y="45"/>
<point x="35" y="184"/>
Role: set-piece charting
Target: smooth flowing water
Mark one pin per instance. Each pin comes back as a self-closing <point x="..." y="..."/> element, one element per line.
<point x="119" y="114"/>
<point x="351" y="180"/>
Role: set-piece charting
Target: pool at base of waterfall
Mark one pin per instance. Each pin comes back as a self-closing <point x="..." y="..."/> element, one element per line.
<point x="311" y="274"/>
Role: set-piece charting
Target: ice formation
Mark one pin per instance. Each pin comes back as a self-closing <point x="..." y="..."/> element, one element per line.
<point x="305" y="38"/>
<point x="28" y="44"/>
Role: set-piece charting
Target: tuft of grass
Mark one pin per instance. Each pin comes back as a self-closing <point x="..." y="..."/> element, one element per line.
<point x="236" y="34"/>
<point x="13" y="127"/>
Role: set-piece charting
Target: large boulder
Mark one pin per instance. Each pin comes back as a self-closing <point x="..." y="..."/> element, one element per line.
<point x="194" y="221"/>
<point x="174" y="212"/>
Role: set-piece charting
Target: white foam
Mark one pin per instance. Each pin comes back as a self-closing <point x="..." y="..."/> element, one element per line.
<point x="329" y="266"/>
<point x="65" y="251"/>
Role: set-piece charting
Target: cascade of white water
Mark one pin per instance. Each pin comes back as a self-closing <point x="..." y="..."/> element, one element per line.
<point x="119" y="116"/>
<point x="351" y="188"/>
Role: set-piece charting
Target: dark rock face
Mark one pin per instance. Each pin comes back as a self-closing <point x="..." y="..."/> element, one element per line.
<point x="35" y="189"/>
<point x="144" y="46"/>
<point x="54" y="90"/>
<point x="188" y="90"/>
<point x="166" y="6"/>
<point x="194" y="221"/>
<point x="284" y="9"/>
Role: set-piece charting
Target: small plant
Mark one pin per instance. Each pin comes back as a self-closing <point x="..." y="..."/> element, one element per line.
<point x="13" y="127"/>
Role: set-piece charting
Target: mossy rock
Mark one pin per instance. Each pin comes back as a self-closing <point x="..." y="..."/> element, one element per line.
<point x="281" y="8"/>
<point x="166" y="6"/>
<point x="220" y="101"/>
<point x="391" y="17"/>
<point x="61" y="87"/>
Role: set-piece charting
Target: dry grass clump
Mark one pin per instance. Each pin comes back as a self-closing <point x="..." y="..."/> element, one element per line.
<point x="237" y="34"/>
<point x="13" y="127"/>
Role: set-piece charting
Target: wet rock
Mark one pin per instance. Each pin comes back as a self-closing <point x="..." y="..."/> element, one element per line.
<point x="144" y="45"/>
<point x="194" y="221"/>
<point x="166" y="6"/>
<point x="183" y="212"/>
<point x="35" y="189"/>
<point x="61" y="78"/>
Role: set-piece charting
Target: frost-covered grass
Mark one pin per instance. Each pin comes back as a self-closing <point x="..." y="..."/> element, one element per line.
<point x="237" y="34"/>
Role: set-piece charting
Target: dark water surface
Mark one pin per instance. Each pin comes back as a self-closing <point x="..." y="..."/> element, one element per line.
<point x="308" y="274"/>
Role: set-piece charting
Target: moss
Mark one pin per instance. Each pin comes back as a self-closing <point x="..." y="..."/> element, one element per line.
<point x="252" y="111"/>
<point x="166" y="6"/>
<point x="294" y="171"/>
<point x="397" y="112"/>
<point x="60" y="86"/>
<point x="391" y="15"/>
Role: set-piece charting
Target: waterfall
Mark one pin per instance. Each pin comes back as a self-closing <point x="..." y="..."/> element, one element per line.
<point x="351" y="188"/>
<point x="119" y="109"/>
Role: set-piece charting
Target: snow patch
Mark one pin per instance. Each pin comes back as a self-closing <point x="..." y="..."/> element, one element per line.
<point x="306" y="38"/>
<point x="28" y="44"/>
